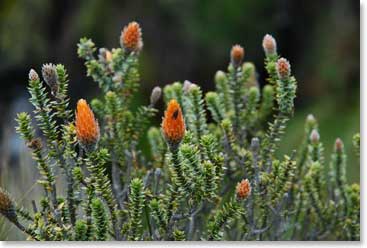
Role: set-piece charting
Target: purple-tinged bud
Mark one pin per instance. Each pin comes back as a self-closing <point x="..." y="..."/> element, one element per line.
<point x="315" y="137"/>
<point x="283" y="68"/>
<point x="269" y="45"/>
<point x="156" y="94"/>
<point x="339" y="145"/>
<point x="186" y="86"/>
<point x="33" y="76"/>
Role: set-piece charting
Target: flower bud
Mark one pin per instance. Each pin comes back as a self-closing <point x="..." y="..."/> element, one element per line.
<point x="7" y="207"/>
<point x="315" y="137"/>
<point x="283" y="68"/>
<point x="173" y="125"/>
<point x="131" y="37"/>
<point x="269" y="45"/>
<point x="105" y="55"/>
<point x="237" y="54"/>
<point x="33" y="76"/>
<point x="243" y="189"/>
<point x="156" y="94"/>
<point x="186" y="86"/>
<point x="87" y="128"/>
<point x="220" y="76"/>
<point x="339" y="146"/>
<point x="49" y="74"/>
<point x="35" y="144"/>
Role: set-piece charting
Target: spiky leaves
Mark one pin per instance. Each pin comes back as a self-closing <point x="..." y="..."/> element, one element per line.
<point x="100" y="220"/>
<point x="229" y="211"/>
<point x="136" y="205"/>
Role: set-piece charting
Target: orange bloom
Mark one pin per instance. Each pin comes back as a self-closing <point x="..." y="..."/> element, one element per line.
<point x="237" y="54"/>
<point x="173" y="125"/>
<point x="87" y="128"/>
<point x="131" y="37"/>
<point x="243" y="189"/>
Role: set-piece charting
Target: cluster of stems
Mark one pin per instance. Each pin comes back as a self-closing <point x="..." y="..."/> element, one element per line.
<point x="203" y="180"/>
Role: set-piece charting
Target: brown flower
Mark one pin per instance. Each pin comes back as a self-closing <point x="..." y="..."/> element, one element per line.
<point x="173" y="125"/>
<point x="87" y="128"/>
<point x="243" y="189"/>
<point x="131" y="37"/>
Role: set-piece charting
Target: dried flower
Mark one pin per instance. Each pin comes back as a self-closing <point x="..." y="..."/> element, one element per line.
<point x="156" y="94"/>
<point x="35" y="144"/>
<point x="50" y="76"/>
<point x="269" y="45"/>
<point x="6" y="205"/>
<point x="33" y="76"/>
<point x="243" y="189"/>
<point x="339" y="145"/>
<point x="173" y="125"/>
<point x="131" y="37"/>
<point x="283" y="68"/>
<point x="237" y="54"/>
<point x="87" y="128"/>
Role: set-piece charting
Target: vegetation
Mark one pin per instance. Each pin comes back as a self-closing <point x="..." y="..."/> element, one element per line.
<point x="212" y="175"/>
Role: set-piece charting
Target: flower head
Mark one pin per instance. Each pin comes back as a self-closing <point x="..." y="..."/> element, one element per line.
<point x="173" y="125"/>
<point x="269" y="45"/>
<point x="339" y="145"/>
<point x="237" y="54"/>
<point x="131" y="37"/>
<point x="50" y="76"/>
<point x="33" y="76"/>
<point x="243" y="189"/>
<point x="283" y="68"/>
<point x="155" y="95"/>
<point x="87" y="128"/>
<point x="315" y="137"/>
<point x="7" y="207"/>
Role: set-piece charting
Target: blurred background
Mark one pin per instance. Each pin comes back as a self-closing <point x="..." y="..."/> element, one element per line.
<point x="183" y="39"/>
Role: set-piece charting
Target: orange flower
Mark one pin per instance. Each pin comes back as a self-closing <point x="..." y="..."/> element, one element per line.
<point x="87" y="128"/>
<point x="173" y="125"/>
<point x="131" y="37"/>
<point x="237" y="54"/>
<point x="243" y="189"/>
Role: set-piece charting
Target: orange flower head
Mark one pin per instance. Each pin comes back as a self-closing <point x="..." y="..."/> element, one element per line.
<point x="131" y="37"/>
<point x="243" y="189"/>
<point x="87" y="128"/>
<point x="173" y="125"/>
<point x="237" y="54"/>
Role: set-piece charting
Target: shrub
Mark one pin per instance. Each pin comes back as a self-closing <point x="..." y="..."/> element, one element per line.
<point x="219" y="180"/>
